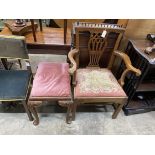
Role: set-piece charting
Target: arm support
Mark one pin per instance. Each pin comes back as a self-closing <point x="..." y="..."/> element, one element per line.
<point x="71" y="55"/>
<point x="129" y="66"/>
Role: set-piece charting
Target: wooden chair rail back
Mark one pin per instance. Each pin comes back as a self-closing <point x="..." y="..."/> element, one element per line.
<point x="97" y="48"/>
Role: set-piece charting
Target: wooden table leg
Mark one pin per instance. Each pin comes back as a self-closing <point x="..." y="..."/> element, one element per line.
<point x="65" y="30"/>
<point x="40" y="23"/>
<point x="33" y="30"/>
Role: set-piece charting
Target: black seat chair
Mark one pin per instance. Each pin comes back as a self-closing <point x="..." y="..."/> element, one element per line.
<point x="15" y="84"/>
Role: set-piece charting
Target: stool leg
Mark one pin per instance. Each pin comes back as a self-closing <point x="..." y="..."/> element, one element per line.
<point x="33" y="110"/>
<point x="27" y="110"/>
<point x="36" y="118"/>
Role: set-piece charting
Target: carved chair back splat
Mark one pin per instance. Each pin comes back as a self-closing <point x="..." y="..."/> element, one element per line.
<point x="97" y="44"/>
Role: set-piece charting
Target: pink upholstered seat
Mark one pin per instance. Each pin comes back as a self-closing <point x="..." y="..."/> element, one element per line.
<point x="51" y="80"/>
<point x="97" y="83"/>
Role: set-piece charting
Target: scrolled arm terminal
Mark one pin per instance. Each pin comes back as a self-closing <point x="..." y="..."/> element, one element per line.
<point x="71" y="55"/>
<point x="129" y="67"/>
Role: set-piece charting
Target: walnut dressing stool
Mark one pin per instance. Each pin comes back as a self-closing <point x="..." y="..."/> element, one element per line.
<point x="51" y="83"/>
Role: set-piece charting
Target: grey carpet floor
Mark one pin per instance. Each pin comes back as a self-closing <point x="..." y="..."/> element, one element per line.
<point x="86" y="123"/>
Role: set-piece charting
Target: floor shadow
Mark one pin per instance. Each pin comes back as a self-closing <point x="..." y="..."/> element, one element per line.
<point x="51" y="107"/>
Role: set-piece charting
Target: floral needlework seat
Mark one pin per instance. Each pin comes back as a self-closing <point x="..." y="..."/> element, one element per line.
<point x="97" y="83"/>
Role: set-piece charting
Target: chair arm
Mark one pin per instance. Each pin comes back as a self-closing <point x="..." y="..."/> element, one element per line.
<point x="129" y="66"/>
<point x="71" y="55"/>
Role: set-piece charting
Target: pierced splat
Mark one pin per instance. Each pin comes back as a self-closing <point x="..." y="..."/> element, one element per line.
<point x="96" y="46"/>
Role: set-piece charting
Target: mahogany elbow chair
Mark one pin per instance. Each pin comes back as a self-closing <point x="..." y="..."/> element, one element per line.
<point x="15" y="84"/>
<point x="94" y="82"/>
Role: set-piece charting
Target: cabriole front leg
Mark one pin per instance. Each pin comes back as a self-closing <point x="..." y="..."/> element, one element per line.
<point x="32" y="107"/>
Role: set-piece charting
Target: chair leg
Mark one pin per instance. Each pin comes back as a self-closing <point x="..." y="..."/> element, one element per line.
<point x="116" y="112"/>
<point x="69" y="114"/>
<point x="27" y="110"/>
<point x="74" y="111"/>
<point x="33" y="110"/>
<point x="115" y="105"/>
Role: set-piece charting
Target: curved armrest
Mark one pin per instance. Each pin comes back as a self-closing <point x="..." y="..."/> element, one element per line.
<point x="129" y="66"/>
<point x="71" y="55"/>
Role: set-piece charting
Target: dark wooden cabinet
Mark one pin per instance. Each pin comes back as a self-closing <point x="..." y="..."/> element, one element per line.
<point x="140" y="90"/>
